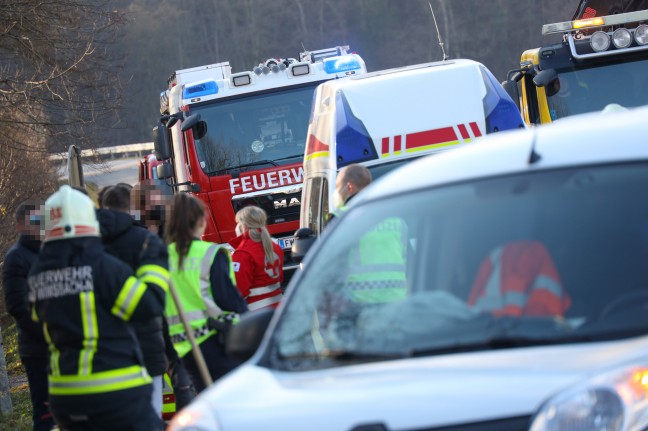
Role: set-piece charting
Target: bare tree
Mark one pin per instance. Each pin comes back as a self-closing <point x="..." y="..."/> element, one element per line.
<point x="58" y="86"/>
<point x="58" y="73"/>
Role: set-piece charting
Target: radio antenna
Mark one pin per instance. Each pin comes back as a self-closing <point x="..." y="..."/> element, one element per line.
<point x="445" y="57"/>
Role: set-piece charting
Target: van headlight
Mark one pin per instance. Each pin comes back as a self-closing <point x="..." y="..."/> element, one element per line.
<point x="195" y="417"/>
<point x="614" y="401"/>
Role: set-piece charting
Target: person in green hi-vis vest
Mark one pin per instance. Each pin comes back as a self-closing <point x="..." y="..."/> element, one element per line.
<point x="377" y="264"/>
<point x="203" y="277"/>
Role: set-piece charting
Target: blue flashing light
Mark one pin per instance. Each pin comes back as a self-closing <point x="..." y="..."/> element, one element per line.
<point x="199" y="90"/>
<point x="352" y="140"/>
<point x="499" y="109"/>
<point x="342" y="63"/>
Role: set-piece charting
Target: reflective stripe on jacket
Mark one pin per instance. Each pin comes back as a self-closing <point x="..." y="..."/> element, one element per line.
<point x="519" y="278"/>
<point x="193" y="285"/>
<point x="377" y="264"/>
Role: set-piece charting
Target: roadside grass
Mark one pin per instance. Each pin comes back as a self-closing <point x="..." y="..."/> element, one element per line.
<point x="20" y="418"/>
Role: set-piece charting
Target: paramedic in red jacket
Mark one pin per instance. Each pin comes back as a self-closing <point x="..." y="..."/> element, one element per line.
<point x="258" y="261"/>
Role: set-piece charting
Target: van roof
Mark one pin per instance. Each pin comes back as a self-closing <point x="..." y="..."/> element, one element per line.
<point x="595" y="138"/>
<point x="398" y="72"/>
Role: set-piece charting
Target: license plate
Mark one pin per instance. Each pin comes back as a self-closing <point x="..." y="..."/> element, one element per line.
<point x="286" y="243"/>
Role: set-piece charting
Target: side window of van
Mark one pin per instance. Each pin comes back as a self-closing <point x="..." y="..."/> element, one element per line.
<point x="324" y="214"/>
<point x="312" y="201"/>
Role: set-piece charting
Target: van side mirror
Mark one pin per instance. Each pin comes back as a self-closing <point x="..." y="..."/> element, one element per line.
<point x="304" y="239"/>
<point x="245" y="337"/>
<point x="161" y="142"/>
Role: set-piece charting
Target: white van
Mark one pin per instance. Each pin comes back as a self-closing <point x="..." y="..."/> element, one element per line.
<point x="526" y="309"/>
<point x="387" y="118"/>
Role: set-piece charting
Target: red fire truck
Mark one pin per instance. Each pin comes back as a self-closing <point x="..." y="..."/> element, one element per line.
<point x="238" y="139"/>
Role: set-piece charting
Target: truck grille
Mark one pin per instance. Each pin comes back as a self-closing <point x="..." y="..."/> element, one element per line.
<point x="280" y="206"/>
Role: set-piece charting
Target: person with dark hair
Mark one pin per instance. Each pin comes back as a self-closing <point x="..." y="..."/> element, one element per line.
<point x="149" y="202"/>
<point x="100" y="195"/>
<point x="32" y="346"/>
<point x="258" y="261"/>
<point x="126" y="185"/>
<point x="141" y="250"/>
<point x="203" y="277"/>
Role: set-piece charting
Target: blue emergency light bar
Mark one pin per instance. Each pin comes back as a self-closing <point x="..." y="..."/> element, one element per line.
<point x="199" y="90"/>
<point x="343" y="63"/>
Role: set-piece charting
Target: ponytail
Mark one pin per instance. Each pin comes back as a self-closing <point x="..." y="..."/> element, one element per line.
<point x="254" y="219"/>
<point x="186" y="212"/>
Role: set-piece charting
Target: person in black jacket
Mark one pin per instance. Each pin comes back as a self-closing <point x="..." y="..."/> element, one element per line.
<point x="85" y="298"/>
<point x="32" y="346"/>
<point x="130" y="243"/>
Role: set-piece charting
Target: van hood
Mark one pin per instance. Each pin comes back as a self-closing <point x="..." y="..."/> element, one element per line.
<point x="407" y="394"/>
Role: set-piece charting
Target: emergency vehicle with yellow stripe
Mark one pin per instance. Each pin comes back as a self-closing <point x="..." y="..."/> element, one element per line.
<point x="601" y="61"/>
<point x="387" y="118"/>
<point x="238" y="139"/>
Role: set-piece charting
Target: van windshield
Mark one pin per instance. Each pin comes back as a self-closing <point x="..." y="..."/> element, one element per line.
<point x="533" y="259"/>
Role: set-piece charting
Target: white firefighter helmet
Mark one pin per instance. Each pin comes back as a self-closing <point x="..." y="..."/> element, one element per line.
<point x="69" y="214"/>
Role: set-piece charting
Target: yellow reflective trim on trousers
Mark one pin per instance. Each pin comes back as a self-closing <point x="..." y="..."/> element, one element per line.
<point x="168" y="407"/>
<point x="105" y="381"/>
<point x="90" y="332"/>
<point x="54" y="353"/>
<point x="128" y="298"/>
<point x="34" y="316"/>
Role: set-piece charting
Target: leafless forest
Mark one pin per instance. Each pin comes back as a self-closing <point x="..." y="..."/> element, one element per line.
<point x="165" y="35"/>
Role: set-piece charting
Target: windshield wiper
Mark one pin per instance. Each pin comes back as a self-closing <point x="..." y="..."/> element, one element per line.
<point x="245" y="165"/>
<point x="257" y="163"/>
<point x="288" y="157"/>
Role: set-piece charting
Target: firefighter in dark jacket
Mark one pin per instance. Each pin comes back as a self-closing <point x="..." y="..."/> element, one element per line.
<point x="136" y="246"/>
<point x="85" y="298"/>
<point x="32" y="346"/>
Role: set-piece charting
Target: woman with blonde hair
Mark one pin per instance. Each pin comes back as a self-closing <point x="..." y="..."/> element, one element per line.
<point x="203" y="277"/>
<point x="258" y="260"/>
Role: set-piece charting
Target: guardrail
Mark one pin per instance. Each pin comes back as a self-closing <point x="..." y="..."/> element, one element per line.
<point x="113" y="152"/>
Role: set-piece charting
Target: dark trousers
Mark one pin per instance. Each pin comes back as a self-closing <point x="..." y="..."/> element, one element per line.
<point x="36" y="369"/>
<point x="218" y="363"/>
<point x="125" y="410"/>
